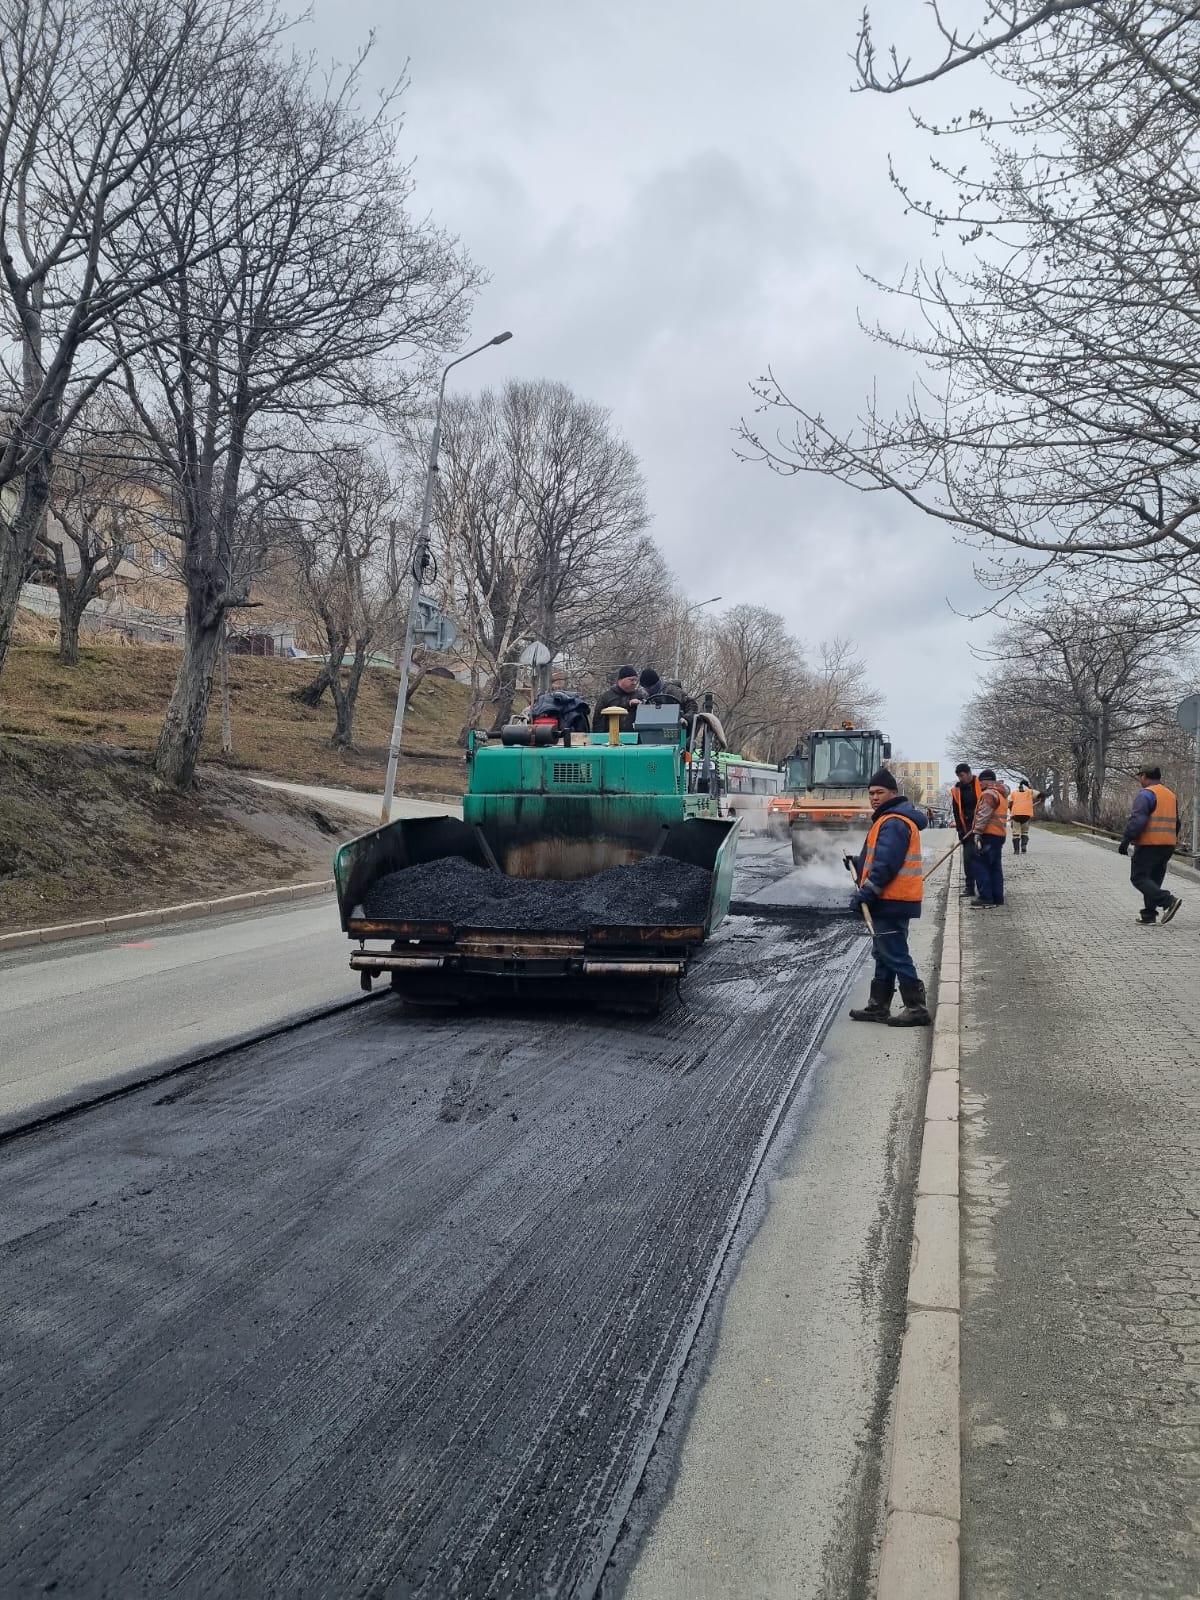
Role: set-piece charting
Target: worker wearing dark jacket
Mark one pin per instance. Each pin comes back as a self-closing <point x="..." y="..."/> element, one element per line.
<point x="891" y="884"/>
<point x="964" y="797"/>
<point x="1152" y="831"/>
<point x="625" y="692"/>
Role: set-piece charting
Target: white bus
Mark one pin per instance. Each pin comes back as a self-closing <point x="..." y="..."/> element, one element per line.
<point x="746" y="789"/>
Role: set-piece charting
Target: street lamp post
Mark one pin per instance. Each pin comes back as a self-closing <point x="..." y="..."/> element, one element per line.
<point x="683" y="616"/>
<point x="420" y="566"/>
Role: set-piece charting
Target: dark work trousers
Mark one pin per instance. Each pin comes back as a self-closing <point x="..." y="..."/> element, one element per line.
<point x="969" y="854"/>
<point x="989" y="868"/>
<point x="892" y="958"/>
<point x="1147" y="869"/>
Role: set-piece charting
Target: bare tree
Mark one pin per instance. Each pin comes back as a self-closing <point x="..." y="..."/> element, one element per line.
<point x="1055" y="414"/>
<point x="88" y="530"/>
<point x="540" y="510"/>
<point x="102" y="102"/>
<point x="836" y="687"/>
<point x="758" y="677"/>
<point x="326" y="302"/>
<point x="352" y="547"/>
<point x="580" y="487"/>
<point x="1078" y="689"/>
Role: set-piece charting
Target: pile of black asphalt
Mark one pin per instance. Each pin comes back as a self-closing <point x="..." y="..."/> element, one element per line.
<point x="655" y="892"/>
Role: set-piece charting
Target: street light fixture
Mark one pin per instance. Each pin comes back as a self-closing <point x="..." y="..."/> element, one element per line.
<point x="683" y="616"/>
<point x="419" y="569"/>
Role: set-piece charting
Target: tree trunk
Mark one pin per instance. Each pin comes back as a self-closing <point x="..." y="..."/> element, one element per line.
<point x="345" y="701"/>
<point x="504" y="692"/>
<point x="474" y="707"/>
<point x="17" y="540"/>
<point x="70" y="615"/>
<point x="313" y="693"/>
<point x="178" y="746"/>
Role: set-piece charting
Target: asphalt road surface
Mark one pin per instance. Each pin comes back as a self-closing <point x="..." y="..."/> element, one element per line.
<point x="83" y="1015"/>
<point x="385" y="1306"/>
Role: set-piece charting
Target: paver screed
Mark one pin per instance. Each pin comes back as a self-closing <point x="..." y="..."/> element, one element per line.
<point x="1081" y="1243"/>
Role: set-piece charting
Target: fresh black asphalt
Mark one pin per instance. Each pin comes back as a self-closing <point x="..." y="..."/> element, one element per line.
<point x="389" y="1306"/>
<point x="654" y="892"/>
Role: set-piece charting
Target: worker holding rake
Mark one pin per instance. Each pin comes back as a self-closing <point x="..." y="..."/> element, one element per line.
<point x="891" y="885"/>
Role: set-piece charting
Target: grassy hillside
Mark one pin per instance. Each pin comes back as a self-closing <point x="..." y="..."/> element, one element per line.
<point x="87" y="831"/>
<point x="117" y="695"/>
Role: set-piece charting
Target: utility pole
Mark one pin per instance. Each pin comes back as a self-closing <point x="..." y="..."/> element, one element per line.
<point x="683" y="616"/>
<point x="420" y="570"/>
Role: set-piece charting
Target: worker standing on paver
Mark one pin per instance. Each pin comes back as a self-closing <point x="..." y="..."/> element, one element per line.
<point x="624" y="691"/>
<point x="964" y="797"/>
<point x="891" y="884"/>
<point x="989" y="828"/>
<point x="1153" y="832"/>
<point x="1020" y="812"/>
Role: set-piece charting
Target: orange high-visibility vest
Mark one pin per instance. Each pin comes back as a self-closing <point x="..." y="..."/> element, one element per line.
<point x="1020" y="803"/>
<point x="1162" y="827"/>
<point x="956" y="801"/>
<point x="998" y="821"/>
<point x="909" y="882"/>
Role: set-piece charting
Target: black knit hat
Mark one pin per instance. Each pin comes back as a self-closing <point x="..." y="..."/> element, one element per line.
<point x="883" y="779"/>
<point x="987" y="776"/>
<point x="650" y="680"/>
<point x="624" y="672"/>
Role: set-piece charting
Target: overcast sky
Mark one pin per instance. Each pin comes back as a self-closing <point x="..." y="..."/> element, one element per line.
<point x="669" y="195"/>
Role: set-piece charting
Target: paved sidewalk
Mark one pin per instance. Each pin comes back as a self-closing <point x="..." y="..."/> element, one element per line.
<point x="1081" y="1236"/>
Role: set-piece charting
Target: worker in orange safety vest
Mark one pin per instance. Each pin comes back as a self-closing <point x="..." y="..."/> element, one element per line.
<point x="891" y="883"/>
<point x="1152" y="832"/>
<point x="1020" y="813"/>
<point x="990" y="827"/>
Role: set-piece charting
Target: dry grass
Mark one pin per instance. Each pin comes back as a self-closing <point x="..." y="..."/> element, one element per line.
<point x="117" y="694"/>
<point x="89" y="831"/>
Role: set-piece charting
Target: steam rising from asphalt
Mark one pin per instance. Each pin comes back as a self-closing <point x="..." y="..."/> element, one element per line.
<point x="824" y="871"/>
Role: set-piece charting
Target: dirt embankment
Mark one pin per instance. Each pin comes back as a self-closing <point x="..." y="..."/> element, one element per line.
<point x="118" y="693"/>
<point x="88" y="831"/>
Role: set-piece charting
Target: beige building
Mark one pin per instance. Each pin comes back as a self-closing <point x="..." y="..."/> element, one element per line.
<point x="921" y="781"/>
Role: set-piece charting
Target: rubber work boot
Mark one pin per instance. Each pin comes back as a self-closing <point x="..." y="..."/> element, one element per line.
<point x="915" y="1013"/>
<point x="1016" y="847"/>
<point x="879" y="1007"/>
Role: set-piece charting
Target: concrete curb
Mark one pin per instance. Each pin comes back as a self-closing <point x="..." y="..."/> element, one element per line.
<point x="149" y="919"/>
<point x="920" y="1559"/>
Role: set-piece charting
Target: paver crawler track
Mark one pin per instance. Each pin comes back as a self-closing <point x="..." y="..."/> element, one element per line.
<point x="384" y="1307"/>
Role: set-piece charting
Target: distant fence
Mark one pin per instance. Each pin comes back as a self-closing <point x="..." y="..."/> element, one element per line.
<point x="145" y="627"/>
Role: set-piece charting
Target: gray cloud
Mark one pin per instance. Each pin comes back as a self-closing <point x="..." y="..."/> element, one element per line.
<point x="669" y="197"/>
